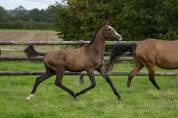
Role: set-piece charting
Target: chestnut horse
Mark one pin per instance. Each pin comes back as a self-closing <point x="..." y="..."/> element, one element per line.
<point x="87" y="58"/>
<point x="148" y="53"/>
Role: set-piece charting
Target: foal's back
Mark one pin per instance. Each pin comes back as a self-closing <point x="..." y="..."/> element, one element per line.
<point x="65" y="57"/>
<point x="74" y="59"/>
<point x="158" y="52"/>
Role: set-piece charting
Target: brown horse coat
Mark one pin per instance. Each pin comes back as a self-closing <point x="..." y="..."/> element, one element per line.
<point x="86" y="58"/>
<point x="148" y="53"/>
<point x="162" y="53"/>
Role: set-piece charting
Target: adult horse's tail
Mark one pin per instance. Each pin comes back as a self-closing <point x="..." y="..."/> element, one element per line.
<point x="118" y="51"/>
<point x="31" y="52"/>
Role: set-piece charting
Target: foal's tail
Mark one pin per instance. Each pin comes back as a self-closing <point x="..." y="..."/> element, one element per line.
<point x="118" y="51"/>
<point x="31" y="52"/>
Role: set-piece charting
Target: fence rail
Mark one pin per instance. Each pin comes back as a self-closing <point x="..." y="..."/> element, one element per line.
<point x="67" y="43"/>
<point x="41" y="58"/>
<point x="81" y="42"/>
<point x="23" y="73"/>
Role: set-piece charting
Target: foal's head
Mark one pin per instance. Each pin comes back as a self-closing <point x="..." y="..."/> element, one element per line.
<point x="110" y="33"/>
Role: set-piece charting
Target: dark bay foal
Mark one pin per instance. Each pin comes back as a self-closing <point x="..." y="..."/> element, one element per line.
<point x="87" y="58"/>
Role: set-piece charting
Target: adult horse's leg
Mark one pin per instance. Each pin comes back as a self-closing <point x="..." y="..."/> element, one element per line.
<point x="93" y="83"/>
<point x="58" y="82"/>
<point x="107" y="78"/>
<point x="39" y="79"/>
<point x="134" y="72"/>
<point x="152" y="77"/>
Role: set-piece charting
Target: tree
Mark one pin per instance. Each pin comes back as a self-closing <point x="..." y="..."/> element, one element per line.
<point x="3" y="16"/>
<point x="134" y="19"/>
<point x="20" y="18"/>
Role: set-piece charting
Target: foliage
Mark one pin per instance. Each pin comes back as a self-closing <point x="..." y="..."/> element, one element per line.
<point x="20" y="18"/>
<point x="80" y="19"/>
<point x="134" y="19"/>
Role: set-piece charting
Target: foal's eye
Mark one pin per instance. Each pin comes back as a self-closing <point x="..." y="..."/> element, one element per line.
<point x="109" y="29"/>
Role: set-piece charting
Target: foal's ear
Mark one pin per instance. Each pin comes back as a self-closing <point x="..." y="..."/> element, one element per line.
<point x="107" y="22"/>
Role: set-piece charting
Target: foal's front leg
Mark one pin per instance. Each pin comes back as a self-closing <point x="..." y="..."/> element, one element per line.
<point x="92" y="80"/>
<point x="107" y="78"/>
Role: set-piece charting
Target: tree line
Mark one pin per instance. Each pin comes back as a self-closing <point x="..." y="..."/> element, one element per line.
<point x="20" y="18"/>
<point x="134" y="19"/>
<point x="79" y="19"/>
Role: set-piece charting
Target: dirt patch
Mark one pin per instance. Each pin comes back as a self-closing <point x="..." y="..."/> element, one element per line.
<point x="29" y="36"/>
<point x="21" y="35"/>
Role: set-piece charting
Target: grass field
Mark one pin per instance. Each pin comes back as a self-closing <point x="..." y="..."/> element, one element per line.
<point x="142" y="100"/>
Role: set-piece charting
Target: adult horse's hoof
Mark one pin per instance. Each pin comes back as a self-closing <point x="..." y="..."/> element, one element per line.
<point x="128" y="85"/>
<point x="119" y="98"/>
<point x="158" y="88"/>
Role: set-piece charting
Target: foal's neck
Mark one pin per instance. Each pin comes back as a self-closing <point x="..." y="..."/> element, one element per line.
<point x="98" y="45"/>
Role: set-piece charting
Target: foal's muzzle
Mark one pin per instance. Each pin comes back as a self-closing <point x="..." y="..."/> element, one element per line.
<point x="118" y="37"/>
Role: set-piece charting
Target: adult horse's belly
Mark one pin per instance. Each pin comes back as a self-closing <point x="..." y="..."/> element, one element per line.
<point x="163" y="53"/>
<point x="168" y="58"/>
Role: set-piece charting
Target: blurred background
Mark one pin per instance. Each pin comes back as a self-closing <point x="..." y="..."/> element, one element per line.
<point x="79" y="19"/>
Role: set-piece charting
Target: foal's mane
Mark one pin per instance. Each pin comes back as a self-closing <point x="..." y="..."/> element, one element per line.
<point x="95" y="34"/>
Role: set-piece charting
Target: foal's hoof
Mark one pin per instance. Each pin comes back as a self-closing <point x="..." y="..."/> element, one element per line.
<point x="75" y="97"/>
<point x="29" y="97"/>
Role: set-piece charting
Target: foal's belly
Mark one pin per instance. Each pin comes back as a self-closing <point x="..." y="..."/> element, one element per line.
<point x="74" y="65"/>
<point x="77" y="67"/>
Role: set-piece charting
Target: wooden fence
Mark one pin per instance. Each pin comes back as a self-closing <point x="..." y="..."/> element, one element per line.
<point x="66" y="43"/>
<point x="41" y="58"/>
<point x="60" y="42"/>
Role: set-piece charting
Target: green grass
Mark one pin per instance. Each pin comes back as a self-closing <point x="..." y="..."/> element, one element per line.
<point x="142" y="100"/>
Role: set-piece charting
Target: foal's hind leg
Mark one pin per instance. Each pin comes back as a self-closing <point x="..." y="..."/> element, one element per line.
<point x="93" y="83"/>
<point x="152" y="77"/>
<point x="134" y="72"/>
<point x="39" y="79"/>
<point x="58" y="82"/>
